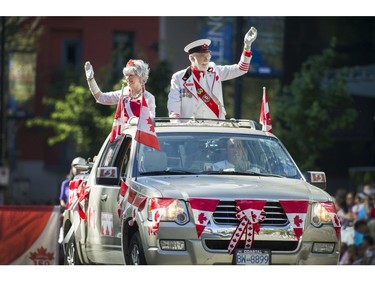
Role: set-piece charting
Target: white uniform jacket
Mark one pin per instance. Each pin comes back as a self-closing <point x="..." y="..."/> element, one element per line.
<point x="111" y="98"/>
<point x="183" y="98"/>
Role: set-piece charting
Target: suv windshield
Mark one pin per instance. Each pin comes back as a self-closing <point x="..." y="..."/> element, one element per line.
<point x="207" y="153"/>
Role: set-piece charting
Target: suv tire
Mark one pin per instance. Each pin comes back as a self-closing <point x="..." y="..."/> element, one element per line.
<point x="135" y="255"/>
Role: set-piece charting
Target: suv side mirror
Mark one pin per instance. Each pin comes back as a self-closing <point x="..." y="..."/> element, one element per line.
<point x="107" y="176"/>
<point x="317" y="178"/>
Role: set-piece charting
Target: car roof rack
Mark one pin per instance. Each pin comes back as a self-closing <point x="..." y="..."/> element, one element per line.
<point x="192" y="121"/>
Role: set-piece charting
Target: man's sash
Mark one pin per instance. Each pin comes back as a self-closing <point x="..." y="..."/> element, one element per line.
<point x="206" y="99"/>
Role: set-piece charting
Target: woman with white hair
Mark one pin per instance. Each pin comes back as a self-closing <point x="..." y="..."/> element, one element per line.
<point x="129" y="98"/>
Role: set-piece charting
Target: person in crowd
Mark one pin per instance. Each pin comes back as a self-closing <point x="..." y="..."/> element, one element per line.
<point x="129" y="98"/>
<point x="237" y="159"/>
<point x="369" y="200"/>
<point x="75" y="169"/>
<point x="64" y="189"/>
<point x="197" y="90"/>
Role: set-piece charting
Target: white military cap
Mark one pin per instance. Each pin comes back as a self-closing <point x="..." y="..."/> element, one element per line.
<point x="198" y="46"/>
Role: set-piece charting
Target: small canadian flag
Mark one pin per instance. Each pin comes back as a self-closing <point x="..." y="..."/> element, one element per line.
<point x="296" y="211"/>
<point x="202" y="211"/>
<point x="158" y="207"/>
<point x="330" y="207"/>
<point x="265" y="115"/>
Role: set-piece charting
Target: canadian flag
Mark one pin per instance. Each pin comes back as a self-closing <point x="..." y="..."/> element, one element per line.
<point x="119" y="120"/>
<point x="330" y="207"/>
<point x="146" y="132"/>
<point x="265" y="116"/>
<point x="134" y="202"/>
<point x="296" y="211"/>
<point x="158" y="206"/>
<point x="121" y="196"/>
<point x="202" y="211"/>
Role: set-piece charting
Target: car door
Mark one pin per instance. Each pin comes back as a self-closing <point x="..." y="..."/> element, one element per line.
<point x="104" y="225"/>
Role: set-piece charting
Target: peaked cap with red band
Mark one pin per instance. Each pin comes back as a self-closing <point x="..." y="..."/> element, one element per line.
<point x="198" y="46"/>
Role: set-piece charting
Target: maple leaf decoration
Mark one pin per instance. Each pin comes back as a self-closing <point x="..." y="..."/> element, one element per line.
<point x="297" y="220"/>
<point x="149" y="121"/>
<point x="202" y="218"/>
<point x="157" y="215"/>
<point x="253" y="215"/>
<point x="41" y="254"/>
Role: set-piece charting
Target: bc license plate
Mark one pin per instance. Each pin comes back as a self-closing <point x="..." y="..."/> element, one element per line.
<point x="252" y="257"/>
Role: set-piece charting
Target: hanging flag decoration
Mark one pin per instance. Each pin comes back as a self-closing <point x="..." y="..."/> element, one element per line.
<point x="119" y="120"/>
<point x="146" y="132"/>
<point x="134" y="202"/>
<point x="202" y="211"/>
<point x="296" y="211"/>
<point x="249" y="213"/>
<point x="265" y="116"/>
<point x="158" y="207"/>
<point x="121" y="196"/>
<point x="330" y="207"/>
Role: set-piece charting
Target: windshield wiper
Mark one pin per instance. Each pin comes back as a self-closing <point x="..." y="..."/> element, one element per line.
<point x="167" y="172"/>
<point x="247" y="173"/>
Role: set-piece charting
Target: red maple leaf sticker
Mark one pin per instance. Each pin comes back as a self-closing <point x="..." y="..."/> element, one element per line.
<point x="149" y="121"/>
<point x="156" y="216"/>
<point x="297" y="220"/>
<point x="202" y="218"/>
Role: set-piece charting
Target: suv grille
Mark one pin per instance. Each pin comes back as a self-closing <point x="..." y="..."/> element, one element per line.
<point x="225" y="213"/>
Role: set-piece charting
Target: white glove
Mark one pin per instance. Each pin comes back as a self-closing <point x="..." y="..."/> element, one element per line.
<point x="89" y="70"/>
<point x="95" y="91"/>
<point x="250" y="37"/>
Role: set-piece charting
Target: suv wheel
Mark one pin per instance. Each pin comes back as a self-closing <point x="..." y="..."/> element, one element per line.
<point x="135" y="255"/>
<point x="71" y="255"/>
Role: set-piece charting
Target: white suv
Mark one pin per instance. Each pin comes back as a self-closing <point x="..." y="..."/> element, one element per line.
<point x="217" y="192"/>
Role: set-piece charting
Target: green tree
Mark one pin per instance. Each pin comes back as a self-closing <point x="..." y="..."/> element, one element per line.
<point x="314" y="106"/>
<point x="77" y="119"/>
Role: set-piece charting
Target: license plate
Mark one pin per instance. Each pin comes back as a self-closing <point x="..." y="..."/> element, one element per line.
<point x="252" y="257"/>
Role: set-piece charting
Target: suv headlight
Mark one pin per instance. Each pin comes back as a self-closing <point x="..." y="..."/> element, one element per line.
<point x="176" y="211"/>
<point x="319" y="215"/>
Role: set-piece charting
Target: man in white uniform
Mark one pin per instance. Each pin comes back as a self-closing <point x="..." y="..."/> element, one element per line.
<point x="197" y="90"/>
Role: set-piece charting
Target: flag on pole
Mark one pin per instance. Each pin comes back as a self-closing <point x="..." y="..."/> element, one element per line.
<point x="265" y="116"/>
<point x="146" y="132"/>
<point x="119" y="120"/>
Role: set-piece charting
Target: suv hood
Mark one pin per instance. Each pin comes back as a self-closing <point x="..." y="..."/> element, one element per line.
<point x="232" y="187"/>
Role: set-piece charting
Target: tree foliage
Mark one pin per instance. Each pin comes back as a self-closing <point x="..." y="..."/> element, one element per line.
<point x="312" y="108"/>
<point x="78" y="118"/>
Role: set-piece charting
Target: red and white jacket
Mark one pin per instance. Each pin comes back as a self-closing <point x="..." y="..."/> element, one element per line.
<point x="183" y="99"/>
<point x="131" y="106"/>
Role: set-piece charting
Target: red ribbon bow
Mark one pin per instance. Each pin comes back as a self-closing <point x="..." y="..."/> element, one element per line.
<point x="250" y="213"/>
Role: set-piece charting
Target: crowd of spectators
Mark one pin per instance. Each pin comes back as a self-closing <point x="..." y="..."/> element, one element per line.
<point x="357" y="213"/>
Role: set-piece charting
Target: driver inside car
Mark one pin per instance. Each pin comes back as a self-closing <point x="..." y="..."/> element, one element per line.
<point x="237" y="159"/>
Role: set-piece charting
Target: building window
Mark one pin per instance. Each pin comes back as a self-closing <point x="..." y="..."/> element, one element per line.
<point x="72" y="54"/>
<point x="122" y="50"/>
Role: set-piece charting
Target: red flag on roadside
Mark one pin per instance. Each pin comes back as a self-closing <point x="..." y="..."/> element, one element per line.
<point x="146" y="132"/>
<point x="265" y="116"/>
